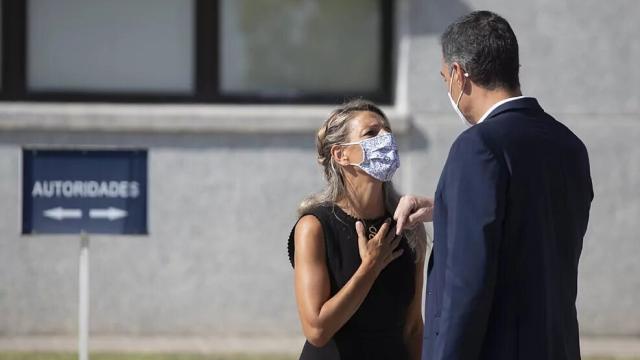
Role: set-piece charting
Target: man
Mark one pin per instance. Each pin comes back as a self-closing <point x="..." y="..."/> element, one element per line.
<point x="511" y="210"/>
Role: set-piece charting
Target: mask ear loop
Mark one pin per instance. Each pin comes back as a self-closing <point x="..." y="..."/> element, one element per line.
<point x="333" y="166"/>
<point x="337" y="173"/>
<point x="466" y="75"/>
<point x="361" y="149"/>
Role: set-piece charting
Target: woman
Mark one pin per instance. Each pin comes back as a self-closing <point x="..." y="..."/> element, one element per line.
<point x="358" y="286"/>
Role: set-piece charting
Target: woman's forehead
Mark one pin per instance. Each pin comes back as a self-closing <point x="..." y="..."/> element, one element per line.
<point x="366" y="119"/>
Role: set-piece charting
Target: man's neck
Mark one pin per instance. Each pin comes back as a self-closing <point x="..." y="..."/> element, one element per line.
<point x="487" y="98"/>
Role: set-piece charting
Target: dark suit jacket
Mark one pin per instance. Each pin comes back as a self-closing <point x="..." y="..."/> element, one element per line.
<point x="511" y="210"/>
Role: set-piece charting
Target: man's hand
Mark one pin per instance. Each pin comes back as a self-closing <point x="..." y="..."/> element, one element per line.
<point x="411" y="211"/>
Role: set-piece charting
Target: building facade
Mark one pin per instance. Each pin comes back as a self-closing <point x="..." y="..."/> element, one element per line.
<point x="227" y="96"/>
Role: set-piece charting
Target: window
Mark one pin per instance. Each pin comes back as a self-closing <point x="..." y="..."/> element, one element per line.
<point x="110" y="46"/>
<point x="224" y="51"/>
<point x="1" y="46"/>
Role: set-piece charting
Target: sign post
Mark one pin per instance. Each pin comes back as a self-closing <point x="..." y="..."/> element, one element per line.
<point x="83" y="298"/>
<point x="83" y="192"/>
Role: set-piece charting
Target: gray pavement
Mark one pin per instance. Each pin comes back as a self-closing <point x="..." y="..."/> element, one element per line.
<point x="591" y="346"/>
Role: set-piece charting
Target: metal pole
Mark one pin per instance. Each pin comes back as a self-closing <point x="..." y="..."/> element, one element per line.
<point x="83" y="298"/>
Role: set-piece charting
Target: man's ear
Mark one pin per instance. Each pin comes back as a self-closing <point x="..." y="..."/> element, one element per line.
<point x="462" y="77"/>
<point x="459" y="74"/>
<point x="339" y="155"/>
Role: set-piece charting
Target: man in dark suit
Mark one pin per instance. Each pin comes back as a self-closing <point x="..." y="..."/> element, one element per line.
<point x="511" y="210"/>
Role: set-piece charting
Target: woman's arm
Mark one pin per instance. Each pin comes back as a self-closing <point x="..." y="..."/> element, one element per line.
<point x="321" y="315"/>
<point x="414" y="326"/>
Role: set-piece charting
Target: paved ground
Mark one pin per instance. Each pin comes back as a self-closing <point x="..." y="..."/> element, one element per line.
<point x="200" y="345"/>
<point x="619" y="347"/>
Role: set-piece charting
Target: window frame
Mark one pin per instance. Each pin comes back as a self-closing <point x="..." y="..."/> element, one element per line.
<point x="206" y="67"/>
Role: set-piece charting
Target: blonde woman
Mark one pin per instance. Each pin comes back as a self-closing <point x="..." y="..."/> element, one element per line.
<point x="358" y="285"/>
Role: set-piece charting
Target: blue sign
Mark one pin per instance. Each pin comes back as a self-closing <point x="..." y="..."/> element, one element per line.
<point x="91" y="191"/>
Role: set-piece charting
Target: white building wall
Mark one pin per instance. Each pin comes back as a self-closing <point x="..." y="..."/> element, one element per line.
<point x="225" y="182"/>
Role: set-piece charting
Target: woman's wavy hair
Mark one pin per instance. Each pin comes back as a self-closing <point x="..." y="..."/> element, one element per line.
<point x="335" y="130"/>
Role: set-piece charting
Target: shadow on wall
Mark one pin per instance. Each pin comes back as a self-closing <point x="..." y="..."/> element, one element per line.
<point x="417" y="139"/>
<point x="433" y="16"/>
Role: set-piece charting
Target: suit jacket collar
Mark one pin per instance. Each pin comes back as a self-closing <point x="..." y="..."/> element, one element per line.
<point x="525" y="103"/>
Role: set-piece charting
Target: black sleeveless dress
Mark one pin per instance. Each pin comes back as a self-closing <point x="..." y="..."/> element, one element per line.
<point x="375" y="331"/>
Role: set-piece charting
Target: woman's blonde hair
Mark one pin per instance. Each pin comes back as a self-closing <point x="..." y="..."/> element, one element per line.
<point x="335" y="130"/>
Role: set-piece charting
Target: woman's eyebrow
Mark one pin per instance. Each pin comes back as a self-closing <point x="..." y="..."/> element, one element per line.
<point x="369" y="127"/>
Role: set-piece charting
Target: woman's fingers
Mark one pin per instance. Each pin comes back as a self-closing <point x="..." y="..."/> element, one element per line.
<point x="413" y="210"/>
<point x="403" y="210"/>
<point x="422" y="215"/>
<point x="394" y="255"/>
<point x="381" y="248"/>
<point x="362" y="238"/>
<point x="384" y="229"/>
<point x="390" y="235"/>
<point x="395" y="242"/>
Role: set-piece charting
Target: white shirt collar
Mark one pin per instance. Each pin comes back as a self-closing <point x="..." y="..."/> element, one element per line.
<point x="486" y="114"/>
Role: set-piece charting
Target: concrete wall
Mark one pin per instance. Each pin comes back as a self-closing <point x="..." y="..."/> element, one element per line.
<point x="224" y="187"/>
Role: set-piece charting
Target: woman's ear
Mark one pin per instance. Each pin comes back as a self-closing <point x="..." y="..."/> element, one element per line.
<point x="339" y="155"/>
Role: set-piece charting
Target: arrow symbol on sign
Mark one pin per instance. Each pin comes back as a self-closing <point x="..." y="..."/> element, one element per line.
<point x="110" y="213"/>
<point x="60" y="213"/>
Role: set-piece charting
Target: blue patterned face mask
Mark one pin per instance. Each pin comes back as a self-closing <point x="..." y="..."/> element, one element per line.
<point x="380" y="157"/>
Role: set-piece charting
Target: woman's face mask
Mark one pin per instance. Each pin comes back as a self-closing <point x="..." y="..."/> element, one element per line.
<point x="380" y="157"/>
